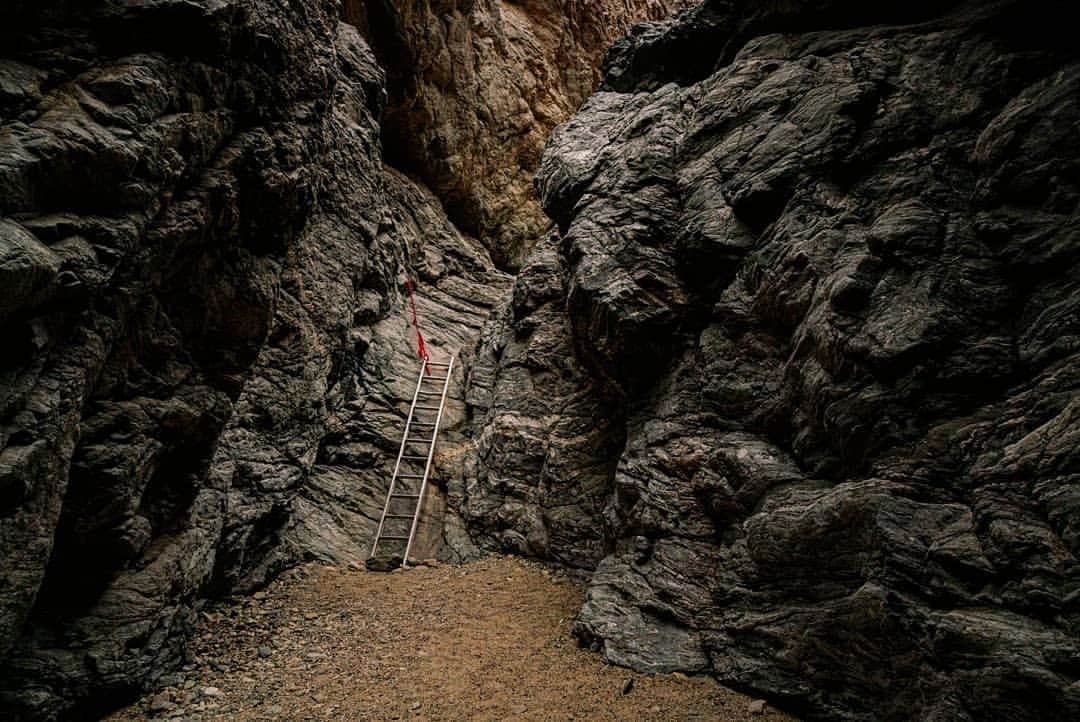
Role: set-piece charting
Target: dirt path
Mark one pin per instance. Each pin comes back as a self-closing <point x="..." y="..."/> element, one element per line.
<point x="486" y="641"/>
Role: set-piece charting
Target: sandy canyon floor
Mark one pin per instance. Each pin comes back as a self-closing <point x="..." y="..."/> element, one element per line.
<point x="485" y="641"/>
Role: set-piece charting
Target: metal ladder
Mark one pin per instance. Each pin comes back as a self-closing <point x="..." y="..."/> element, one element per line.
<point x="407" y="485"/>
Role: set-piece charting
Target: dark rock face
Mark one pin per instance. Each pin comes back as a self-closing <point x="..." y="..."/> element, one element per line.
<point x="201" y="254"/>
<point x="476" y="87"/>
<point x="799" y="372"/>
<point x="545" y="434"/>
<point x="795" y="378"/>
<point x="204" y="340"/>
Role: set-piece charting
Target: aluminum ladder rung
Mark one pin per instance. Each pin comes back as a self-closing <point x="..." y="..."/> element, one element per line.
<point x="406" y="439"/>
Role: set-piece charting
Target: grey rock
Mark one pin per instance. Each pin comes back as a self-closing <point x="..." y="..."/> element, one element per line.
<point x="791" y="382"/>
<point x="201" y="255"/>
<point x="801" y="360"/>
<point x="532" y="483"/>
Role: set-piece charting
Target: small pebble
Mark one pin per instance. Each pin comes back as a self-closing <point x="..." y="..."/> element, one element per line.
<point x="161" y="703"/>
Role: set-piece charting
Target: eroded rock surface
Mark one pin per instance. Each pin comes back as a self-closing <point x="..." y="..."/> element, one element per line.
<point x="476" y="87"/>
<point x="206" y="348"/>
<point x="798" y="374"/>
<point x="794" y="379"/>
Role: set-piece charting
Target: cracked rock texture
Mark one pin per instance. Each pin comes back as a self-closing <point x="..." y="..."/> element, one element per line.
<point x="205" y="344"/>
<point x="476" y="87"/>
<point x="797" y="377"/>
<point x="206" y="348"/>
<point x="794" y="377"/>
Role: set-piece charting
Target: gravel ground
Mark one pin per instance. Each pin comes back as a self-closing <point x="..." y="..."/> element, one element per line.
<point x="485" y="641"/>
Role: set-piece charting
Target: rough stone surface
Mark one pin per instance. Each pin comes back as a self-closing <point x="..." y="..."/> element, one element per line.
<point x="793" y="380"/>
<point x="798" y="374"/>
<point x="201" y="256"/>
<point x="205" y="342"/>
<point x="539" y="473"/>
<point x="477" y="86"/>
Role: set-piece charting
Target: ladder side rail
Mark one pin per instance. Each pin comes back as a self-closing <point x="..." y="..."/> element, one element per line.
<point x="427" y="466"/>
<point x="397" y="464"/>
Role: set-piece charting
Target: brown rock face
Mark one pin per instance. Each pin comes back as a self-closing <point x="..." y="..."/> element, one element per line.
<point x="476" y="87"/>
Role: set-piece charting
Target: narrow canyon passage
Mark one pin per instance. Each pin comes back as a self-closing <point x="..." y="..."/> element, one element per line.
<point x="766" y="319"/>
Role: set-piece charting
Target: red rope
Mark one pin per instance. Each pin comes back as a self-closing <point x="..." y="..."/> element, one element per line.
<point x="421" y="349"/>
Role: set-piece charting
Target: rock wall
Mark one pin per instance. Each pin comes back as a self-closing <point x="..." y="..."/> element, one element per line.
<point x="477" y="86"/>
<point x="201" y="256"/>
<point x="798" y="373"/>
<point x="205" y="344"/>
<point x="794" y="378"/>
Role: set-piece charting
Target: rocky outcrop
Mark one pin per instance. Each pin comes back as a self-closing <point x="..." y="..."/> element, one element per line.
<point x="794" y="377"/>
<point x="476" y="87"/>
<point x="798" y="373"/>
<point x="205" y="341"/>
<point x="201" y="253"/>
